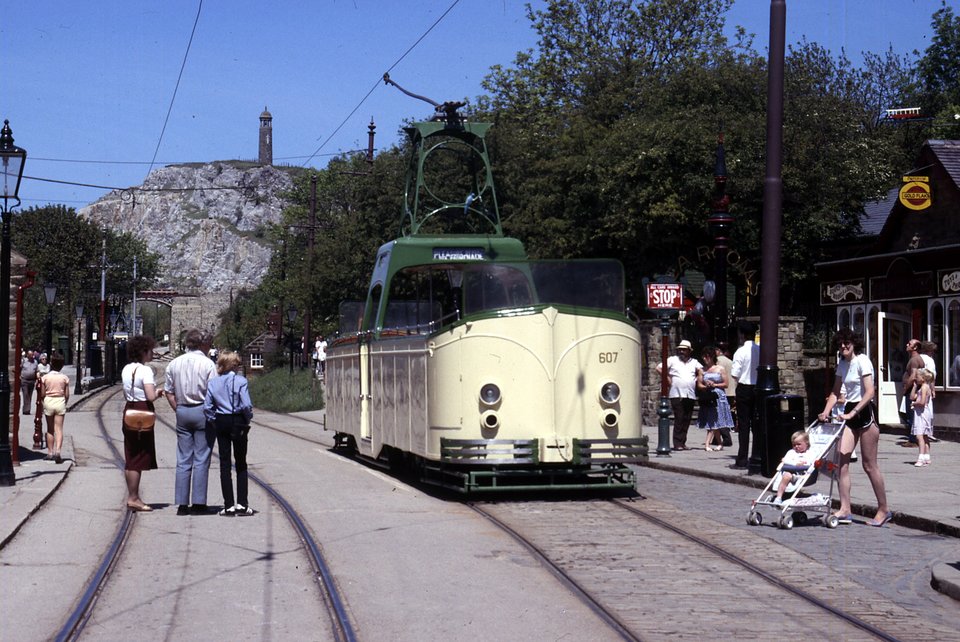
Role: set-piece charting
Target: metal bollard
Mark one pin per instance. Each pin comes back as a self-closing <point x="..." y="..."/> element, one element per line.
<point x="663" y="428"/>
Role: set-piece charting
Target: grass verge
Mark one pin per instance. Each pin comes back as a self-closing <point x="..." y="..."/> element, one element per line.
<point x="279" y="391"/>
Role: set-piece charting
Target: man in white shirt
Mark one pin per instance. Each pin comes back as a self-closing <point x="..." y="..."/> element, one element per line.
<point x="744" y="371"/>
<point x="186" y="388"/>
<point x="682" y="375"/>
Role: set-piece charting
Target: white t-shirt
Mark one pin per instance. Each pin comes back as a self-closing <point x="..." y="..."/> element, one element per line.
<point x="683" y="377"/>
<point x="745" y="362"/>
<point x="134" y="377"/>
<point x="851" y="373"/>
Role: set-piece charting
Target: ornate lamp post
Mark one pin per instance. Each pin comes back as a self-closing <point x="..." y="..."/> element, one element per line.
<point x="291" y="317"/>
<point x="719" y="222"/>
<point x="50" y="293"/>
<point x="78" y="389"/>
<point x="12" y="159"/>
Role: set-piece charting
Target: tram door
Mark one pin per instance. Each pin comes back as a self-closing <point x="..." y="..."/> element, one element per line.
<point x="894" y="331"/>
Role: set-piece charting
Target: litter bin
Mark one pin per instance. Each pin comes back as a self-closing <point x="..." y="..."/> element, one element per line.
<point x="782" y="415"/>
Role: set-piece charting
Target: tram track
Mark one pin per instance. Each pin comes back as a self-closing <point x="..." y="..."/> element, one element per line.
<point x="673" y="567"/>
<point x="341" y="627"/>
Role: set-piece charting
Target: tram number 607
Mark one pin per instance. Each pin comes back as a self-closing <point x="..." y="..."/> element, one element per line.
<point x="608" y="357"/>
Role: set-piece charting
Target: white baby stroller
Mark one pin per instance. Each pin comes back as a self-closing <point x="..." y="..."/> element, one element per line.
<point x="825" y="455"/>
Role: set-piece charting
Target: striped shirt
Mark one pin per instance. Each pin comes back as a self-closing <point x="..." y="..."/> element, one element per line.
<point x="187" y="377"/>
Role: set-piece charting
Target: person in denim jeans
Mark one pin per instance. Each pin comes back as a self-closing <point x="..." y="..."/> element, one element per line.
<point x="186" y="383"/>
<point x="228" y="408"/>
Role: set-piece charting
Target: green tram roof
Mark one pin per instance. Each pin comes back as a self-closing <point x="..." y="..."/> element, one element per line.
<point x="410" y="251"/>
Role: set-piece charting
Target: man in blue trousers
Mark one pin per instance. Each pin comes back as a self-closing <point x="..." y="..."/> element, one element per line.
<point x="185" y="388"/>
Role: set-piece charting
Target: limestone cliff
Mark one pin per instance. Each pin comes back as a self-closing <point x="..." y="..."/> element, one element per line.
<point x="206" y="222"/>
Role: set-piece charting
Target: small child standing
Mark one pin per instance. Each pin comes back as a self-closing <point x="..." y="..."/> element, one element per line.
<point x="794" y="462"/>
<point x="923" y="415"/>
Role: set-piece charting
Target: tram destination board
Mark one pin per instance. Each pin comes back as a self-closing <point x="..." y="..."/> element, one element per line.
<point x="664" y="296"/>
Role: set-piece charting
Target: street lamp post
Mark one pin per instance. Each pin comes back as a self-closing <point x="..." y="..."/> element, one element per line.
<point x="719" y="222"/>
<point x="12" y="159"/>
<point x="50" y="293"/>
<point x="291" y="317"/>
<point x="78" y="389"/>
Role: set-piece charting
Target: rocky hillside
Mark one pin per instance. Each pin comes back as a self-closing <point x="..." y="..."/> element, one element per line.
<point x="206" y="221"/>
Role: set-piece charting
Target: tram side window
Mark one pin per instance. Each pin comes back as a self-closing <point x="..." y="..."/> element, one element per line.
<point x="413" y="304"/>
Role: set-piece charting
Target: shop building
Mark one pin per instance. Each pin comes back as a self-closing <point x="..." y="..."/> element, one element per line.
<point x="903" y="282"/>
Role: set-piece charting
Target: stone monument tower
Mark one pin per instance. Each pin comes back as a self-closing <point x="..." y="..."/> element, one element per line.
<point x="266" y="138"/>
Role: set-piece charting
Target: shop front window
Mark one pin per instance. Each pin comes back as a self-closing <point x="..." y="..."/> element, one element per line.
<point x="951" y="344"/>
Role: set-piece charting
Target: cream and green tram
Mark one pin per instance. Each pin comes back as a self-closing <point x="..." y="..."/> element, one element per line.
<point x="483" y="370"/>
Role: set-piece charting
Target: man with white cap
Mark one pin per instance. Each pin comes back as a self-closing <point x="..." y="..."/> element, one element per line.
<point x="682" y="376"/>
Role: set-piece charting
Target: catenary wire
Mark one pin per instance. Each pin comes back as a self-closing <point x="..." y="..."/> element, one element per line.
<point x="380" y="79"/>
<point x="177" y="86"/>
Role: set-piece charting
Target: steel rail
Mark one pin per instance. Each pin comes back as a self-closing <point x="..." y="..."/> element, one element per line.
<point x="756" y="570"/>
<point x="78" y="619"/>
<point x="566" y="580"/>
<point x="342" y="629"/>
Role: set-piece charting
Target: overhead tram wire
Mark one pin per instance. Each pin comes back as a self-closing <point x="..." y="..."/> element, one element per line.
<point x="173" y="98"/>
<point x="378" y="81"/>
<point x="177" y="86"/>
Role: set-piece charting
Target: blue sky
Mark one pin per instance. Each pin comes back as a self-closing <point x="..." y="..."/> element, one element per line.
<point x="87" y="85"/>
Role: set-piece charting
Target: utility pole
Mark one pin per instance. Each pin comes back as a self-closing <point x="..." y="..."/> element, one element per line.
<point x="133" y="306"/>
<point x="103" y="287"/>
<point x="307" y="345"/>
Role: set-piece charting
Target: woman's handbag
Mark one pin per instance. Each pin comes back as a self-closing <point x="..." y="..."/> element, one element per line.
<point x="139" y="420"/>
<point x="134" y="418"/>
<point x="706" y="398"/>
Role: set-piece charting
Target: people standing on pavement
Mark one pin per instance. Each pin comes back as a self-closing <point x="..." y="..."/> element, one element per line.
<point x="744" y="371"/>
<point x="923" y="415"/>
<point x="682" y="376"/>
<point x="856" y="379"/>
<point x="321" y="357"/>
<point x="28" y="380"/>
<point x="227" y="406"/>
<point x="55" y="392"/>
<point x="140" y="390"/>
<point x="723" y="359"/>
<point x="914" y="363"/>
<point x="43" y="366"/>
<point x="711" y="392"/>
<point x="185" y="386"/>
<point x="927" y="350"/>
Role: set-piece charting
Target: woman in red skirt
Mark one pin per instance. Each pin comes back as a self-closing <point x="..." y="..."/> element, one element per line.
<point x="140" y="390"/>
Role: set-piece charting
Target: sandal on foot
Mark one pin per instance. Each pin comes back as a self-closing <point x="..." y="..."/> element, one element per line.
<point x="881" y="522"/>
<point x="139" y="508"/>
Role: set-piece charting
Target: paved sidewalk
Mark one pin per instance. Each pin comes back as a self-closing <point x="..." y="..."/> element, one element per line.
<point x="926" y="498"/>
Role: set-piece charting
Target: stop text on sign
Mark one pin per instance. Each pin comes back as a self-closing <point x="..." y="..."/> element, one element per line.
<point x="664" y="296"/>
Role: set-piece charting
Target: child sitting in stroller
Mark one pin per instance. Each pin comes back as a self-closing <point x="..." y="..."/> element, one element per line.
<point x="794" y="463"/>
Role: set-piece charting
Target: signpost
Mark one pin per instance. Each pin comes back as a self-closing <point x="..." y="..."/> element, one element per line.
<point x="664" y="298"/>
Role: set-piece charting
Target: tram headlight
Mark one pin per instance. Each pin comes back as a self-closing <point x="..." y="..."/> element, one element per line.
<point x="489" y="420"/>
<point x="609" y="418"/>
<point x="610" y="392"/>
<point x="490" y="394"/>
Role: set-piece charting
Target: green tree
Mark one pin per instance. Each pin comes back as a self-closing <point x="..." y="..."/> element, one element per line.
<point x="939" y="68"/>
<point x="65" y="250"/>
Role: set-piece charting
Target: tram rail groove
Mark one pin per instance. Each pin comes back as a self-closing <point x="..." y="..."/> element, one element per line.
<point x="78" y="619"/>
<point x="72" y="629"/>
<point x="532" y="524"/>
<point x="609" y="618"/>
<point x="759" y="572"/>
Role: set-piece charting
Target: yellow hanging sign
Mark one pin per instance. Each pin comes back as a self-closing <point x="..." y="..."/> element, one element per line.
<point x="915" y="195"/>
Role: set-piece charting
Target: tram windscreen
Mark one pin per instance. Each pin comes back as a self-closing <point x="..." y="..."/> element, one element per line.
<point x="591" y="283"/>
